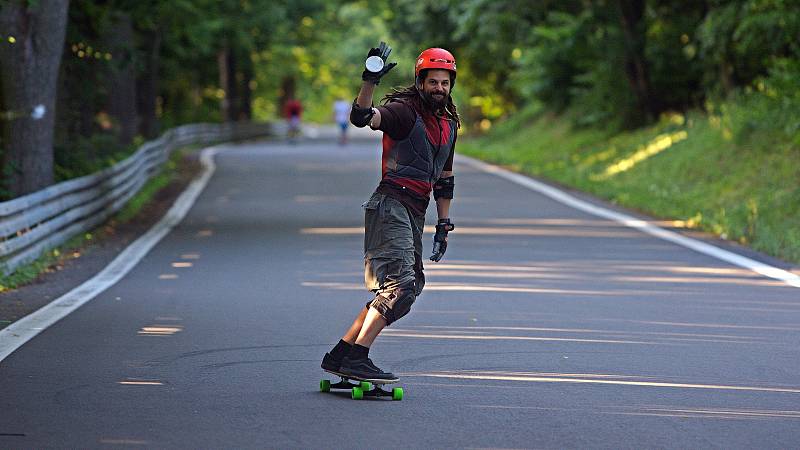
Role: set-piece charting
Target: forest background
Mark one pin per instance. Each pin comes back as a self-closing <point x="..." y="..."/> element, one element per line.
<point x="688" y="110"/>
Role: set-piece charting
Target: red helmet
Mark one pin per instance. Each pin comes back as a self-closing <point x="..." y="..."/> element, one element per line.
<point x="435" y="58"/>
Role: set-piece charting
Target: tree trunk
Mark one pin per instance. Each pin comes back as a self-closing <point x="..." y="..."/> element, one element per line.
<point x="122" y="79"/>
<point x="288" y="89"/>
<point x="29" y="68"/>
<point x="147" y="86"/>
<point x="246" y="107"/>
<point x="222" y="67"/>
<point x="634" y="28"/>
<point x="226" y="62"/>
<point x="232" y="89"/>
<point x="726" y="77"/>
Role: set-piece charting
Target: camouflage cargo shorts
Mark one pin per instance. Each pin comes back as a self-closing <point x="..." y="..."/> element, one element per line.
<point x="392" y="250"/>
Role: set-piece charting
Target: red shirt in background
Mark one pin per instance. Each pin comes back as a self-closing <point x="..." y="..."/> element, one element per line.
<point x="292" y="108"/>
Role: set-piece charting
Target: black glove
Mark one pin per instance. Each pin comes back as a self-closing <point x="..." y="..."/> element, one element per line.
<point x="440" y="238"/>
<point x="383" y="51"/>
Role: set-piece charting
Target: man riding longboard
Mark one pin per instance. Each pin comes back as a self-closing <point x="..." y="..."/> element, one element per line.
<point x="419" y="124"/>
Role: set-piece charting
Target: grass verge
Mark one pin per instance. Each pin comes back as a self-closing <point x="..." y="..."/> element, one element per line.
<point x="715" y="172"/>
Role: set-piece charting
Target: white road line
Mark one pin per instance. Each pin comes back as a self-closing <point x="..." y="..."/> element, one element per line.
<point x="18" y="333"/>
<point x="641" y="225"/>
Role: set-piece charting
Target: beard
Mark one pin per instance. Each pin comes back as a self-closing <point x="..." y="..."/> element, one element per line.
<point x="436" y="102"/>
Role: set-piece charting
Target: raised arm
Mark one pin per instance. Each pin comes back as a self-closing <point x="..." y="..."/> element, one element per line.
<point x="364" y="101"/>
<point x="362" y="113"/>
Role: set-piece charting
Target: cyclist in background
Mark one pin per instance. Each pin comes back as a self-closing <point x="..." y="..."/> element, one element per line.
<point x="293" y="111"/>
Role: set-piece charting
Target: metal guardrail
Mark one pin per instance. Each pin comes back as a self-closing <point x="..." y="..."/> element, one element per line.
<point x="39" y="221"/>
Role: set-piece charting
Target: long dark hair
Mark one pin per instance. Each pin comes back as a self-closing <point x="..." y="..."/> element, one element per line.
<point x="412" y="96"/>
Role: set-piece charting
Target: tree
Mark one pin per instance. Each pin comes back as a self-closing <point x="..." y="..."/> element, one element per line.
<point x="30" y="55"/>
<point x="147" y="84"/>
<point x="122" y="104"/>
<point x="634" y="27"/>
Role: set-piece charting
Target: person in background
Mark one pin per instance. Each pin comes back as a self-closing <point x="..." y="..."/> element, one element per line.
<point x="293" y="111"/>
<point x="341" y="114"/>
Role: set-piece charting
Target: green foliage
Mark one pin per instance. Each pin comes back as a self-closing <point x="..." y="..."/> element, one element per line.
<point x="601" y="94"/>
<point x="782" y="88"/>
<point x="89" y="155"/>
<point x="565" y="54"/>
<point x="29" y="272"/>
<point x="739" y="40"/>
<point x="574" y="53"/>
<point x="671" y="53"/>
<point x="157" y="182"/>
<point x="323" y="54"/>
<point x="547" y="69"/>
<point x="732" y="172"/>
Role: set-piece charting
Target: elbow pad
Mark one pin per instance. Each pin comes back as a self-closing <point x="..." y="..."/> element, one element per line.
<point x="444" y="188"/>
<point x="359" y="116"/>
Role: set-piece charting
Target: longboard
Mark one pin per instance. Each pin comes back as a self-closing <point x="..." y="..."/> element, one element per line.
<point x="361" y="388"/>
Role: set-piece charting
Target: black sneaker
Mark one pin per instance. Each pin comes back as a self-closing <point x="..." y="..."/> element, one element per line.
<point x="331" y="364"/>
<point x="365" y="369"/>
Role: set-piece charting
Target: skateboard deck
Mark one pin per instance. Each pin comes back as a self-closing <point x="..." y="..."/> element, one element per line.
<point x="362" y="387"/>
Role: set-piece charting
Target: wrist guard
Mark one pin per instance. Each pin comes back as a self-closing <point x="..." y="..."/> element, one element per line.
<point x="444" y="188"/>
<point x="443" y="227"/>
<point x="360" y="117"/>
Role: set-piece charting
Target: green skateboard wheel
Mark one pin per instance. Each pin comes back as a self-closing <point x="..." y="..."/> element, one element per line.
<point x="325" y="385"/>
<point x="397" y="393"/>
<point x="366" y="385"/>
<point x="358" y="393"/>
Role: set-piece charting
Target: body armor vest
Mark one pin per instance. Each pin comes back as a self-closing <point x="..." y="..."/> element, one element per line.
<point x="416" y="158"/>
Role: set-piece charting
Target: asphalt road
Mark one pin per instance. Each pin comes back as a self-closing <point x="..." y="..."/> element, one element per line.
<point x="543" y="327"/>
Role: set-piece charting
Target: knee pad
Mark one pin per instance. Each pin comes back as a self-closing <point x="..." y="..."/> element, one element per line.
<point x="394" y="304"/>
